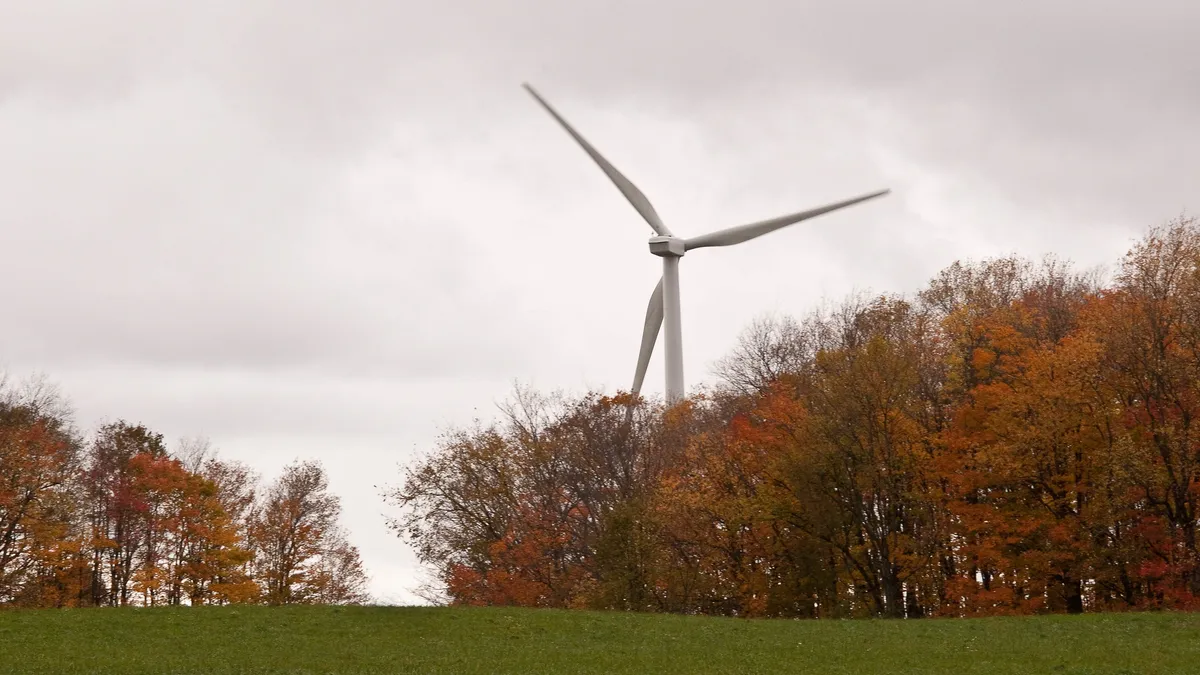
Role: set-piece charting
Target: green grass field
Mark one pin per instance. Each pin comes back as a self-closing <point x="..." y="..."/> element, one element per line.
<point x="437" y="640"/>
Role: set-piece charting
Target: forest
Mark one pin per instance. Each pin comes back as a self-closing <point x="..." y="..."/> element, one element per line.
<point x="117" y="519"/>
<point x="1016" y="437"/>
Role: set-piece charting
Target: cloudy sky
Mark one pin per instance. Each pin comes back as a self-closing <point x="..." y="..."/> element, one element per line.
<point x="327" y="229"/>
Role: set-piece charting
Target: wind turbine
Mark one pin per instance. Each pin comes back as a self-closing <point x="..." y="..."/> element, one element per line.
<point x="664" y="301"/>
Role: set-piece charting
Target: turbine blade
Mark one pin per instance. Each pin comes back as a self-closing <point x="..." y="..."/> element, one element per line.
<point x="654" y="319"/>
<point x="627" y="188"/>
<point x="741" y="233"/>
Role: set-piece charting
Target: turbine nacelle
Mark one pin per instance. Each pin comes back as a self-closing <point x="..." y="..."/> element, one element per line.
<point x="667" y="246"/>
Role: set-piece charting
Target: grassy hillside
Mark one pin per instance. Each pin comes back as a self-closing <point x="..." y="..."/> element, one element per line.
<point x="433" y="640"/>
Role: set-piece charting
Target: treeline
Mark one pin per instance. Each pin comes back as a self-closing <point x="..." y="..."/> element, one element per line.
<point x="117" y="519"/>
<point x="1015" y="437"/>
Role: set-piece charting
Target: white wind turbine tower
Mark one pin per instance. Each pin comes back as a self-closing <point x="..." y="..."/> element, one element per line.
<point x="664" y="301"/>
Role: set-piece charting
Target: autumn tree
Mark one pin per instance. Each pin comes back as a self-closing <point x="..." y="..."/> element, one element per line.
<point x="117" y="514"/>
<point x="872" y="454"/>
<point x="216" y="553"/>
<point x="515" y="512"/>
<point x="726" y="520"/>
<point x="770" y="347"/>
<point x="302" y="555"/>
<point x="1149" y="329"/>
<point x="40" y="547"/>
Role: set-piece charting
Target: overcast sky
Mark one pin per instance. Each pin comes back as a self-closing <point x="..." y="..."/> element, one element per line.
<point x="327" y="229"/>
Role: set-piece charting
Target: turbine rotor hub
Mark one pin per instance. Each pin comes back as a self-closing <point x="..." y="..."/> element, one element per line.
<point x="667" y="247"/>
